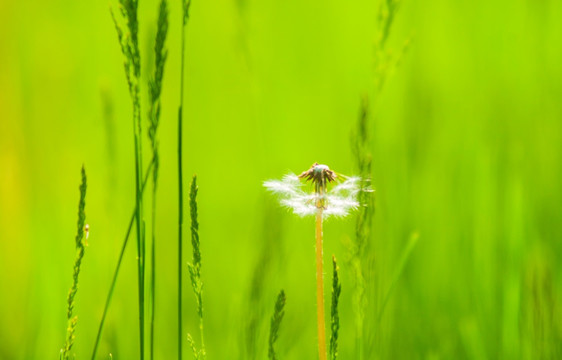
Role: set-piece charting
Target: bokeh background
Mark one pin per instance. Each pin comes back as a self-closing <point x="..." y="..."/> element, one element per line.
<point x="466" y="138"/>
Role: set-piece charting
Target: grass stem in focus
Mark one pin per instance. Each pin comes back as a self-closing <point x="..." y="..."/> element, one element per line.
<point x="276" y="319"/>
<point x="80" y="246"/>
<point x="185" y="5"/>
<point x="118" y="267"/>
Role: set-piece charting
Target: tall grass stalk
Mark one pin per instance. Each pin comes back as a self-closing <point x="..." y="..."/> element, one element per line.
<point x="185" y="16"/>
<point x="540" y="331"/>
<point x="128" y="39"/>
<point x="153" y="261"/>
<point x="278" y="314"/>
<point x="363" y="227"/>
<point x="118" y="266"/>
<point x="155" y="90"/>
<point x="385" y="59"/>
<point x="362" y="151"/>
<point x="195" y="270"/>
<point x="335" y="316"/>
<point x="80" y="245"/>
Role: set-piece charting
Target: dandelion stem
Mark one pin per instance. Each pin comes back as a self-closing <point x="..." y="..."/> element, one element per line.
<point x="320" y="287"/>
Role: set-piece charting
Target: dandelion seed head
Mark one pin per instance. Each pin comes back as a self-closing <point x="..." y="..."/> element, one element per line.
<point x="339" y="201"/>
<point x="319" y="168"/>
<point x="320" y="176"/>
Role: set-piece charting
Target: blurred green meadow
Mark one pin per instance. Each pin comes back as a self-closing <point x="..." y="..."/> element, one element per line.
<point x="466" y="138"/>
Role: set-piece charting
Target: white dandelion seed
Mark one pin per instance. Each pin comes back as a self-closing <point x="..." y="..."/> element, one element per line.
<point x="339" y="201"/>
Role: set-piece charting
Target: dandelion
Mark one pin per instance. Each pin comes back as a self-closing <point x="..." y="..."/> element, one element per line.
<point x="338" y="201"/>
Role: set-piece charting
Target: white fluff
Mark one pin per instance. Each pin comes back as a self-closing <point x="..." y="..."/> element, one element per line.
<point x="339" y="201"/>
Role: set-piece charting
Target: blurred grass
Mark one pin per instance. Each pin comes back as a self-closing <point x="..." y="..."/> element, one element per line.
<point x="467" y="151"/>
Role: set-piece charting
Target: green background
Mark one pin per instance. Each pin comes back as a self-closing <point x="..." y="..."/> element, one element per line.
<point x="467" y="153"/>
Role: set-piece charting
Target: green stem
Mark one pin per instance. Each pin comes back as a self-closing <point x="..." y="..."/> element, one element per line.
<point x="180" y="188"/>
<point x="139" y="217"/>
<point x="185" y="5"/>
<point x="153" y="271"/>
<point x="117" y="268"/>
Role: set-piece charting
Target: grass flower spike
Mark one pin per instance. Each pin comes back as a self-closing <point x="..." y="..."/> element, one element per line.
<point x="322" y="202"/>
